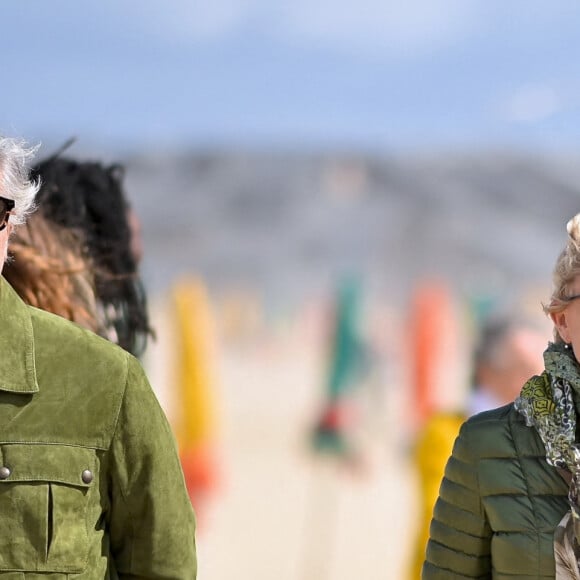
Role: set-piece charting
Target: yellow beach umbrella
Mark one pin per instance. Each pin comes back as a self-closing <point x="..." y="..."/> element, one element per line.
<point x="196" y="414"/>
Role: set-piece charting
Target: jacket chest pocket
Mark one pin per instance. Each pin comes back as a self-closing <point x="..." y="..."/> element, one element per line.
<point x="44" y="492"/>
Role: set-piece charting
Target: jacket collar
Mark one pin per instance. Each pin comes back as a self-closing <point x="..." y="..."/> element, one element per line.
<point x="17" y="364"/>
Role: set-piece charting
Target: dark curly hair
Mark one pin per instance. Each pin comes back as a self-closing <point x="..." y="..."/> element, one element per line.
<point x="88" y="197"/>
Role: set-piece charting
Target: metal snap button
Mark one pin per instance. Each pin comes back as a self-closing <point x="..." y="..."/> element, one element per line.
<point x="5" y="472"/>
<point x="87" y="476"/>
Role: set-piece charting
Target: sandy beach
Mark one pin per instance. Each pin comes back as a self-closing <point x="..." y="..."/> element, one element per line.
<point x="284" y="513"/>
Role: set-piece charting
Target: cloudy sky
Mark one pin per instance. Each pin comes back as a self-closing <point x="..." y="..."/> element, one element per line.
<point x="407" y="74"/>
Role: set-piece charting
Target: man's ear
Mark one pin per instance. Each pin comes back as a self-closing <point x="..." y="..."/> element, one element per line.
<point x="559" y="320"/>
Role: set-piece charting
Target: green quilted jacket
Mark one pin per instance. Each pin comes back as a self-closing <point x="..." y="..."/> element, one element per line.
<point x="498" y="505"/>
<point x="90" y="482"/>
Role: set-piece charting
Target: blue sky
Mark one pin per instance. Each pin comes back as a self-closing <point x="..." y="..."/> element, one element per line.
<point x="414" y="74"/>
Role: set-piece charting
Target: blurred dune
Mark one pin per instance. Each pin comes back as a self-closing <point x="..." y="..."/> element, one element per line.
<point x="290" y="223"/>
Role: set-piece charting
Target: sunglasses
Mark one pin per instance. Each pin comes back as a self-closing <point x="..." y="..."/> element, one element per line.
<point x="6" y="206"/>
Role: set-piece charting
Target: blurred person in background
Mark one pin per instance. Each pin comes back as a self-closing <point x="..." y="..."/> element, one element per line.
<point x="508" y="351"/>
<point x="508" y="503"/>
<point x="90" y="479"/>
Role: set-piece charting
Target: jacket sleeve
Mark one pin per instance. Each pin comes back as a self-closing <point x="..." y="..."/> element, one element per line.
<point x="151" y="520"/>
<point x="460" y="536"/>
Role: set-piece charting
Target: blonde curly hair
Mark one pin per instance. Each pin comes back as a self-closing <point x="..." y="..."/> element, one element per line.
<point x="565" y="271"/>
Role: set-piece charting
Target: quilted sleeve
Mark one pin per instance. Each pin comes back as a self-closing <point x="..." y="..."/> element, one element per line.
<point x="459" y="536"/>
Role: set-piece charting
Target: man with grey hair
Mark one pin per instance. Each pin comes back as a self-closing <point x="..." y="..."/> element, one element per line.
<point x="90" y="480"/>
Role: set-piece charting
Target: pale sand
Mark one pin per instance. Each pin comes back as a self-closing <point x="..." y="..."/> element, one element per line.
<point x="286" y="515"/>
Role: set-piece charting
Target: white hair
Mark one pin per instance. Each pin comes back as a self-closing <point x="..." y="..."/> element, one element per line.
<point x="15" y="182"/>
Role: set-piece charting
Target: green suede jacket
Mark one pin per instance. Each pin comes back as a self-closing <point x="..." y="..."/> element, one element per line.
<point x="90" y="482"/>
<point x="498" y="505"/>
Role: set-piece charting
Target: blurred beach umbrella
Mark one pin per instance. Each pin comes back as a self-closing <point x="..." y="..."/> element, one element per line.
<point x="347" y="367"/>
<point x="433" y="338"/>
<point x="334" y="430"/>
<point x="196" y="413"/>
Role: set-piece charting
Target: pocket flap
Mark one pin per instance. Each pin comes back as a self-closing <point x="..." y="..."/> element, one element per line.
<point x="41" y="462"/>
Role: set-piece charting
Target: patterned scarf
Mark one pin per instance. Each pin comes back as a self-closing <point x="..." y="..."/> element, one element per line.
<point x="547" y="404"/>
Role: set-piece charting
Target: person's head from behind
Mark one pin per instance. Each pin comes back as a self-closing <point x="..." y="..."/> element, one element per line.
<point x="17" y="190"/>
<point x="564" y="306"/>
<point x="48" y="270"/>
<point x="89" y="198"/>
<point x="509" y="351"/>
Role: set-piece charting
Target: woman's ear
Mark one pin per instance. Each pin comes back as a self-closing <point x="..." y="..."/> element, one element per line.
<point x="559" y="320"/>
